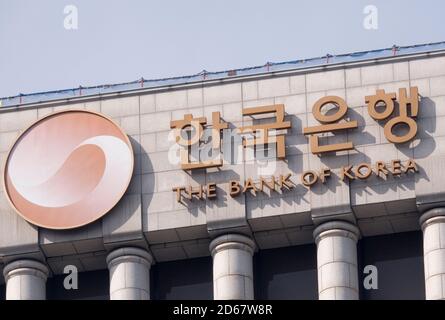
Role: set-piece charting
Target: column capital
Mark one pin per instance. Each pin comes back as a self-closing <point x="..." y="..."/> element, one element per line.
<point x="432" y="216"/>
<point x="129" y="254"/>
<point x="25" y="267"/>
<point x="232" y="241"/>
<point x="336" y="228"/>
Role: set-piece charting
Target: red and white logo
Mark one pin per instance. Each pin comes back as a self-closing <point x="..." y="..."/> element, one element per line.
<point x="68" y="169"/>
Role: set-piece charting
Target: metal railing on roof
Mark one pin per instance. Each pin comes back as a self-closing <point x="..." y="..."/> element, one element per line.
<point x="206" y="75"/>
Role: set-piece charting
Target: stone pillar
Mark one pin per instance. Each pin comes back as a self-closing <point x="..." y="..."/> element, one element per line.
<point x="337" y="260"/>
<point x="232" y="267"/>
<point x="433" y="227"/>
<point x="25" y="280"/>
<point x="129" y="274"/>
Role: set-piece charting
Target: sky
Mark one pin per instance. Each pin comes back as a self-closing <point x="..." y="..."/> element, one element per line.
<point x="120" y="41"/>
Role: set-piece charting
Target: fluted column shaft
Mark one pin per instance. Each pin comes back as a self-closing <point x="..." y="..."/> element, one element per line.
<point x="129" y="274"/>
<point x="337" y="260"/>
<point x="433" y="227"/>
<point x="232" y="267"/>
<point x="25" y="280"/>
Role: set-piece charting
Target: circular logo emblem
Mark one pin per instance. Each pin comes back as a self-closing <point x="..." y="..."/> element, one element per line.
<point x="68" y="169"/>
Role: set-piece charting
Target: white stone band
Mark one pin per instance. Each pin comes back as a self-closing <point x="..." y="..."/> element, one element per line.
<point x="129" y="273"/>
<point x="232" y="241"/>
<point x="129" y="254"/>
<point x="336" y="228"/>
<point x="25" y="267"/>
<point x="432" y="216"/>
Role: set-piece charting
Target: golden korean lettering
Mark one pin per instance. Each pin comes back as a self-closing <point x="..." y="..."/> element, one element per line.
<point x="194" y="128"/>
<point x="330" y="124"/>
<point x="386" y="101"/>
<point x="261" y="132"/>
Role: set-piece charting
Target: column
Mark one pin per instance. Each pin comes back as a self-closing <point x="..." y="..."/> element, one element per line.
<point x="337" y="260"/>
<point x="232" y="267"/>
<point x="25" y="280"/>
<point x="433" y="227"/>
<point x="129" y="274"/>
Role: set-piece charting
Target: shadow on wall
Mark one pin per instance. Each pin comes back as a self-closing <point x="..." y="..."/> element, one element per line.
<point x="421" y="146"/>
<point x="147" y="183"/>
<point x="424" y="144"/>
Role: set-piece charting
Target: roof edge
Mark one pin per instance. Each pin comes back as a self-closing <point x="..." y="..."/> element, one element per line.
<point x="204" y="77"/>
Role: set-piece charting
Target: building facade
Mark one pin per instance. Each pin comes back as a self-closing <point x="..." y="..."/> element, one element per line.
<point x="355" y="208"/>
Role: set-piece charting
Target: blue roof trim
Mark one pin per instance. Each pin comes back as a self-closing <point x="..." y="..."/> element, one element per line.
<point x="204" y="75"/>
